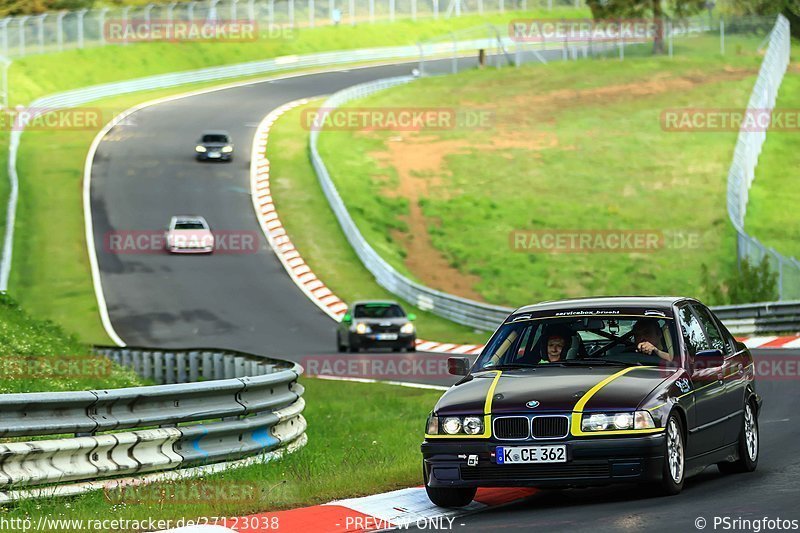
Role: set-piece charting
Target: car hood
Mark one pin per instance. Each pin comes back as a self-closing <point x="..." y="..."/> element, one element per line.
<point x="215" y="145"/>
<point x="189" y="237"/>
<point x="556" y="389"/>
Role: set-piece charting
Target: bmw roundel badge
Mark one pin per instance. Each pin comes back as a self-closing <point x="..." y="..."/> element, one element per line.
<point x="533" y="404"/>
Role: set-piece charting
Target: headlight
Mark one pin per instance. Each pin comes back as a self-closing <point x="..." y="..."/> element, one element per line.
<point x="473" y="425"/>
<point x="452" y="425"/>
<point x="432" y="428"/>
<point x="617" y="421"/>
<point x="362" y="328"/>
<point x="408" y="328"/>
<point x="227" y="149"/>
<point x="199" y="149"/>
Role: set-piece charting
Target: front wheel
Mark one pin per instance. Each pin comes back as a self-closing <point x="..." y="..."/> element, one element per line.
<point x="449" y="497"/>
<point x="674" y="459"/>
<point x="748" y="445"/>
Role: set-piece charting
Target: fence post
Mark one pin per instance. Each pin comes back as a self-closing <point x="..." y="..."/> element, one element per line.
<point x="722" y="36"/>
<point x="22" y="21"/>
<point x="391" y="10"/>
<point x="171" y="11"/>
<point x="251" y="12"/>
<point x="669" y="36"/>
<point x="234" y="11"/>
<point x="147" y="9"/>
<point x="101" y="25"/>
<point x="40" y="31"/>
<point x="189" y="11"/>
<point x="413" y="9"/>
<point x="4" y="22"/>
<point x="454" y="64"/>
<point x="125" y="14"/>
<point x="436" y="9"/>
<point x="352" y="12"/>
<point x="480" y="7"/>
<point x="311" y="13"/>
<point x="80" y="14"/>
<point x="291" y="13"/>
<point x="270" y="13"/>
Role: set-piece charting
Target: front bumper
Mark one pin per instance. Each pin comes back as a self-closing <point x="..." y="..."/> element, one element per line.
<point x="204" y="156"/>
<point x="367" y="340"/>
<point x="180" y="250"/>
<point x="590" y="462"/>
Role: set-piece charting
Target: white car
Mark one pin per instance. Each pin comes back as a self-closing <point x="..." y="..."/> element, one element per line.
<point x="189" y="234"/>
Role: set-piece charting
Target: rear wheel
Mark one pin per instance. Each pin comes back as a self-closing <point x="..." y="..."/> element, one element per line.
<point x="449" y="497"/>
<point x="747" y="446"/>
<point x="674" y="458"/>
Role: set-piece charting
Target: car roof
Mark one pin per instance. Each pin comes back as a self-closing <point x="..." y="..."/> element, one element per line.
<point x="661" y="303"/>
<point x="380" y="302"/>
<point x="216" y="132"/>
<point x="188" y="218"/>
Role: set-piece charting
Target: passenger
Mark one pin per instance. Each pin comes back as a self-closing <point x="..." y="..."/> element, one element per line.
<point x="555" y="348"/>
<point x="647" y="336"/>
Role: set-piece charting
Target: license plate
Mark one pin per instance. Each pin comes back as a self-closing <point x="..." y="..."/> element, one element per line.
<point x="386" y="336"/>
<point x="213" y="154"/>
<point x="530" y="454"/>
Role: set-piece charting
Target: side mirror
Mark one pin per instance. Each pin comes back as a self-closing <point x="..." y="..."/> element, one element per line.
<point x="347" y="318"/>
<point x="412" y="316"/>
<point x="458" y="366"/>
<point x="707" y="363"/>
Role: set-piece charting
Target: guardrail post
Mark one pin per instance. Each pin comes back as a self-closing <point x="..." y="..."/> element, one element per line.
<point x="194" y="366"/>
<point x="207" y="371"/>
<point x="147" y="365"/>
<point x="219" y="366"/>
<point x="229" y="368"/>
<point x="136" y="356"/>
<point x="158" y="367"/>
<point x="169" y="368"/>
<point x="180" y="366"/>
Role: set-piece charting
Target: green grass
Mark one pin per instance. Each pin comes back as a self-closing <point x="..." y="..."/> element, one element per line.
<point x="346" y="456"/>
<point x="774" y="196"/>
<point x="598" y="159"/>
<point x="315" y="232"/>
<point x="50" y="274"/>
<point x="30" y="347"/>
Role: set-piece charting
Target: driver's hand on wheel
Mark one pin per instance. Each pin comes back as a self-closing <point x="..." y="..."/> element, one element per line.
<point x="648" y="348"/>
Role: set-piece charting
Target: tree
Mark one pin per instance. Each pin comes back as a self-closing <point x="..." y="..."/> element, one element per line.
<point x="647" y="9"/>
<point x="789" y="8"/>
<point x="34" y="7"/>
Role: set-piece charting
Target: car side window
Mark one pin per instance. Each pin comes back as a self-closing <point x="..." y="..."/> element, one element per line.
<point x="715" y="338"/>
<point x="691" y="330"/>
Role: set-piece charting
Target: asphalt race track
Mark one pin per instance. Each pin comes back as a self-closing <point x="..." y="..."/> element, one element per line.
<point x="145" y="172"/>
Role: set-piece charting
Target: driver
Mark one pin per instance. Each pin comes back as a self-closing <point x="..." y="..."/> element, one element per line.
<point x="647" y="337"/>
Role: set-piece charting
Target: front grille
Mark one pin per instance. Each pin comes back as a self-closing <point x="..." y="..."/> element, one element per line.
<point x="535" y="472"/>
<point x="550" y="427"/>
<point x="394" y="328"/>
<point x="512" y="427"/>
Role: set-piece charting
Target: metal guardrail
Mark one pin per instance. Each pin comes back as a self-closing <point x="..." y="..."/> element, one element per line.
<point x="248" y="406"/>
<point x="765" y="317"/>
<point x="745" y="160"/>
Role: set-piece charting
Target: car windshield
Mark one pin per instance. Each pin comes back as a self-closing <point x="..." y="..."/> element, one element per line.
<point x="215" y="138"/>
<point x="189" y="225"/>
<point x="596" y="339"/>
<point x="378" y="311"/>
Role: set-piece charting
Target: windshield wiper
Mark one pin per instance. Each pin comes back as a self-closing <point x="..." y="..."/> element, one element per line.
<point x="596" y="360"/>
<point x="506" y="366"/>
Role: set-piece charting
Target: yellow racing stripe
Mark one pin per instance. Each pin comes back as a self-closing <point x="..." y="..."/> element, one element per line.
<point x="487" y="415"/>
<point x="577" y="411"/>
